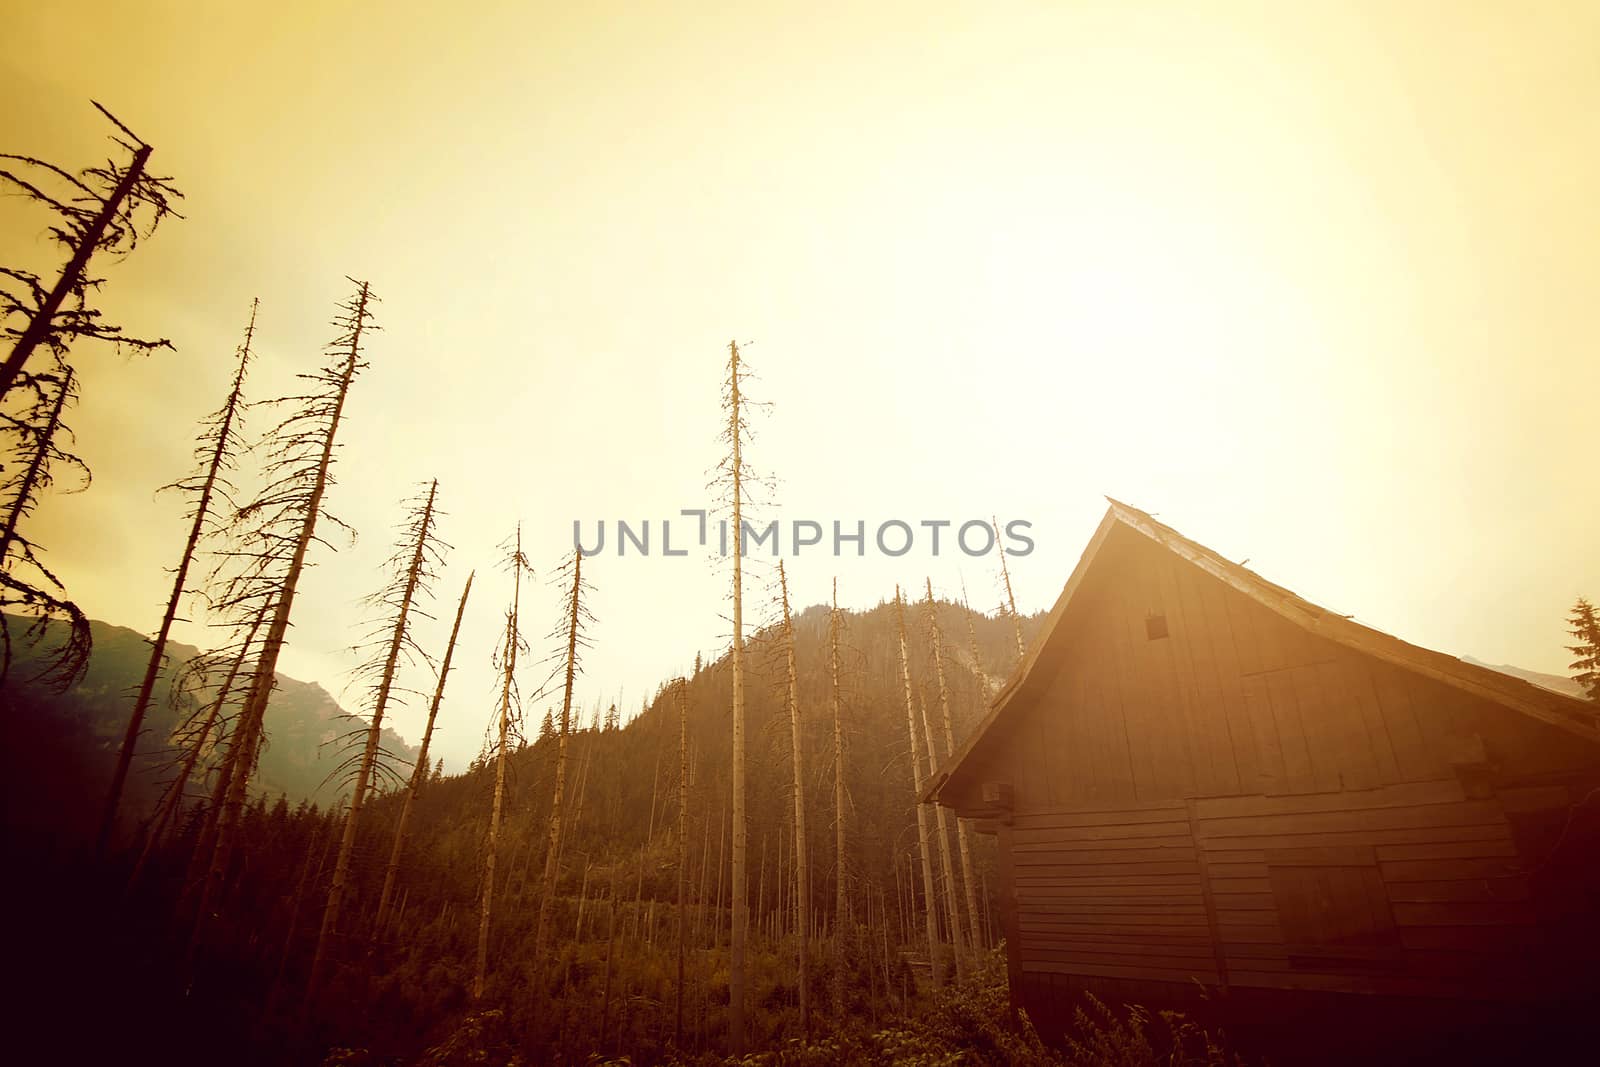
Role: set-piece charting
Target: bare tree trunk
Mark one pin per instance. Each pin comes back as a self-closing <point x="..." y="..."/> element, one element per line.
<point x="1011" y="599"/>
<point x="683" y="852"/>
<point x="761" y="890"/>
<point x="369" y="757"/>
<point x="247" y="734"/>
<point x="38" y="327"/>
<point x="30" y="481"/>
<point x="552" y="857"/>
<point x="967" y="881"/>
<point x="510" y="664"/>
<point x="650" y="833"/>
<point x="840" y="900"/>
<point x="722" y="849"/>
<point x="611" y="946"/>
<point x="737" y="981"/>
<point x="172" y="799"/>
<point x="205" y="845"/>
<point x="984" y="682"/>
<point x="580" y="791"/>
<point x="952" y="911"/>
<point x="936" y="964"/>
<point x="420" y="772"/>
<point x="704" y="896"/>
<point x="802" y="871"/>
<point x="158" y="648"/>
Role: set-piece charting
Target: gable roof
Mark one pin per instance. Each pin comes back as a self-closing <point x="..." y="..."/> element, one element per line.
<point x="1574" y="716"/>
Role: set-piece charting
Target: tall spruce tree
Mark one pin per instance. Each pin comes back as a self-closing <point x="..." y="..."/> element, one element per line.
<point x="1584" y="625"/>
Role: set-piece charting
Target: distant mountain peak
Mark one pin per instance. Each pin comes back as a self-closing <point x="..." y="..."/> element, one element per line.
<point x="305" y="723"/>
<point x="1554" y="682"/>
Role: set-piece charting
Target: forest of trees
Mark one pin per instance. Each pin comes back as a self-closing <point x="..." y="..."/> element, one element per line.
<point x="742" y="865"/>
<point x="665" y="886"/>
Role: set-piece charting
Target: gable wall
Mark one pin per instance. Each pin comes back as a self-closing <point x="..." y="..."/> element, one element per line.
<point x="1235" y="701"/>
<point x="1177" y="800"/>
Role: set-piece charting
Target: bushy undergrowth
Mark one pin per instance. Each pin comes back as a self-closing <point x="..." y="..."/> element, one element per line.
<point x="970" y="1023"/>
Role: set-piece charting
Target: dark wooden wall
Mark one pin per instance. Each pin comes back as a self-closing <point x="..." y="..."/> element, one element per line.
<point x="1235" y="700"/>
<point x="1242" y="803"/>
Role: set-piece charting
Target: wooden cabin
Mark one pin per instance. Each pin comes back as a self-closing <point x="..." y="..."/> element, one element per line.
<point x="1203" y="785"/>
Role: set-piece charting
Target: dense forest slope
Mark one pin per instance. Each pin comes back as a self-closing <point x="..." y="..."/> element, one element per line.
<point x="401" y="994"/>
<point x="406" y="988"/>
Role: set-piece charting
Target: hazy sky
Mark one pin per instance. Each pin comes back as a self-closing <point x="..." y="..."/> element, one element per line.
<point x="1316" y="284"/>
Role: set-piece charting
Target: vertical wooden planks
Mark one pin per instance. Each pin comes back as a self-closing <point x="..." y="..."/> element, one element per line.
<point x="1411" y="751"/>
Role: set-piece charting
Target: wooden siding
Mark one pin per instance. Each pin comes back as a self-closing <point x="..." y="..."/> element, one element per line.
<point x="1236" y="700"/>
<point x="1110" y="894"/>
<point x="1442" y="869"/>
<point x="1244" y="804"/>
<point x="1179" y="894"/>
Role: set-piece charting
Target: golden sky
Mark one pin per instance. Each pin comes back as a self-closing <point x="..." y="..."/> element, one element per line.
<point x="1314" y="283"/>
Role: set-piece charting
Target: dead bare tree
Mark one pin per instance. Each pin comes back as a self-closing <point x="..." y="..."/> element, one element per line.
<point x="840" y="900"/>
<point x="38" y="455"/>
<point x="680" y="695"/>
<point x="576" y="617"/>
<point x="981" y="676"/>
<point x="947" y="896"/>
<point x="968" y="883"/>
<point x="925" y="845"/>
<point x="419" y="773"/>
<point x="510" y="715"/>
<point x="33" y="449"/>
<point x="101" y="209"/>
<point x="298" y="472"/>
<point x="217" y="450"/>
<point x="802" y="872"/>
<point x="198" y="741"/>
<point x="735" y="471"/>
<point x="413" y="566"/>
<point x="1011" y="598"/>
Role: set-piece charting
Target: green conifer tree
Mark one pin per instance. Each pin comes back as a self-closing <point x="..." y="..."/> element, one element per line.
<point x="1584" y="625"/>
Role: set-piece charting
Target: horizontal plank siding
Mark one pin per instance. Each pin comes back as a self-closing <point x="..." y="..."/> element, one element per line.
<point x="1202" y="787"/>
<point x="1440" y="874"/>
<point x="1111" y="894"/>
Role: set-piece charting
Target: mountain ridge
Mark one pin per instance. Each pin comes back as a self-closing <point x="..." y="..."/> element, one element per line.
<point x="81" y="730"/>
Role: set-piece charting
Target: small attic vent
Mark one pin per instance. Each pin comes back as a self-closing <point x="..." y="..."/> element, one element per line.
<point x="1155" y="626"/>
